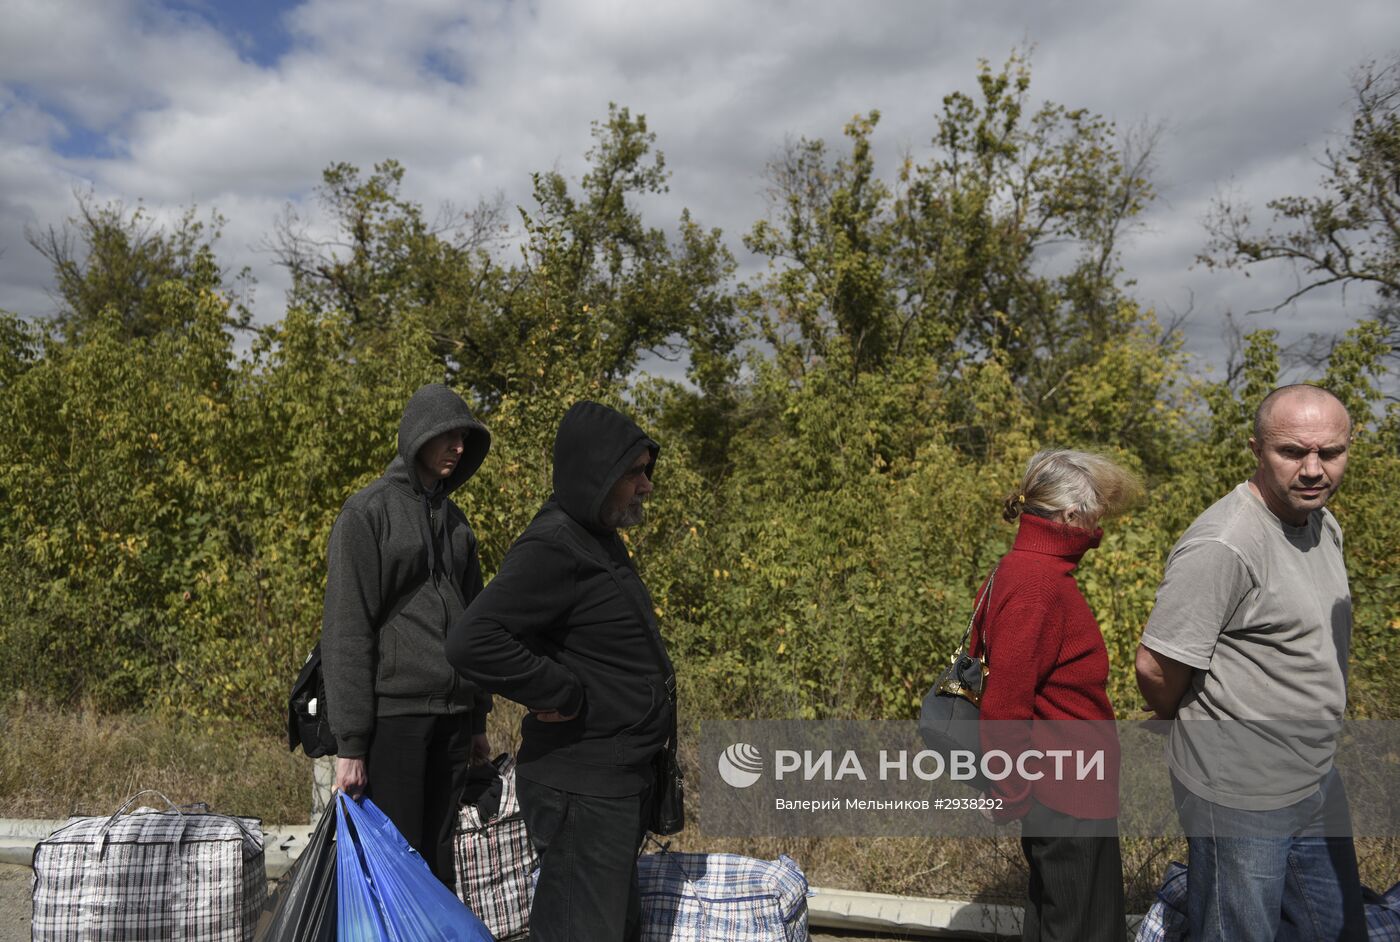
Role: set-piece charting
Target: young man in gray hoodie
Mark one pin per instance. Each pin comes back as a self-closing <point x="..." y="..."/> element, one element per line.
<point x="402" y="564"/>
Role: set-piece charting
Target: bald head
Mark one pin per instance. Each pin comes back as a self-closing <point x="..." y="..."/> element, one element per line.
<point x="1293" y="398"/>
<point x="1301" y="438"/>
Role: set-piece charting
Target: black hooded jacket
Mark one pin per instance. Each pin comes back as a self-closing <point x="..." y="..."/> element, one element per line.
<point x="402" y="564"/>
<point x="568" y="625"/>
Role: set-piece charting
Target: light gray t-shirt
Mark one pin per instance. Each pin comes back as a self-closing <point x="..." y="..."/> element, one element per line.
<point x="1262" y="610"/>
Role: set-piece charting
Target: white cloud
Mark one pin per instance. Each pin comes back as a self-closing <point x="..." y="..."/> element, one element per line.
<point x="472" y="98"/>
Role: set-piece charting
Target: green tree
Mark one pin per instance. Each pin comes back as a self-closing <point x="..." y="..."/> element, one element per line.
<point x="829" y="252"/>
<point x="385" y="259"/>
<point x="614" y="289"/>
<point x="1349" y="233"/>
<point x="954" y="261"/>
<point x="111" y="257"/>
<point x="827" y="501"/>
<point x="114" y="465"/>
<point x="627" y="285"/>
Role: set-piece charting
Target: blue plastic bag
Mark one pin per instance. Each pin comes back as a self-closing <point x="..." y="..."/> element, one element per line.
<point x="385" y="892"/>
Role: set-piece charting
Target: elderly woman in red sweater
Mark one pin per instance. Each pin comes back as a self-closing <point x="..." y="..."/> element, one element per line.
<point x="1048" y="672"/>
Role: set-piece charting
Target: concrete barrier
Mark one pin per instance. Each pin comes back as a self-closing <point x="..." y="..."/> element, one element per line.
<point x="826" y="908"/>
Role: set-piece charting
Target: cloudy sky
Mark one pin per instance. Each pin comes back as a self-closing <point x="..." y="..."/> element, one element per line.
<point x="239" y="104"/>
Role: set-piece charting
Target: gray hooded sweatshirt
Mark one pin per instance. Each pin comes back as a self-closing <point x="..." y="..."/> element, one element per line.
<point x="401" y="566"/>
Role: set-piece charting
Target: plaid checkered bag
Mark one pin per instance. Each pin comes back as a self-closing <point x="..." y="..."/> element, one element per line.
<point x="1382" y="914"/>
<point x="721" y="898"/>
<point x="1166" y="917"/>
<point x="175" y="874"/>
<point x="494" y="860"/>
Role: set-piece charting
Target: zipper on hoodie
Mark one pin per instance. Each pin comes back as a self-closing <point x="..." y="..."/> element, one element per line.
<point x="437" y="587"/>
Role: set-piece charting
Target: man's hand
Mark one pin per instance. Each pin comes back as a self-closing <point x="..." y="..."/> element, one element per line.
<point x="481" y="749"/>
<point x="351" y="776"/>
<point x="1163" y="681"/>
<point x="552" y="716"/>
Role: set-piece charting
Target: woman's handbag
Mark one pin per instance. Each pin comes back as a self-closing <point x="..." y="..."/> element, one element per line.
<point x="949" y="717"/>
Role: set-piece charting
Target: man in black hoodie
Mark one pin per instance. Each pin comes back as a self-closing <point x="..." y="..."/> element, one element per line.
<point x="568" y="629"/>
<point x="402" y="564"/>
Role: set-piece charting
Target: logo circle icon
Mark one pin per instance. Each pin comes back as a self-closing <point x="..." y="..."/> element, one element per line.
<point x="740" y="765"/>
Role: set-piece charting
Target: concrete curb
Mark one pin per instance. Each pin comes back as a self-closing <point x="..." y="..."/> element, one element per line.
<point x="826" y="908"/>
<point x="283" y="843"/>
<point x="909" y="915"/>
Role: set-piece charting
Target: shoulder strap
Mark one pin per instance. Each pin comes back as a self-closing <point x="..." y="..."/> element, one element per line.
<point x="978" y="610"/>
<point x="653" y="633"/>
<point x="590" y="546"/>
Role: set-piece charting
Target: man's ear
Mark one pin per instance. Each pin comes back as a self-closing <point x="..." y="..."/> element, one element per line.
<point x="1254" y="447"/>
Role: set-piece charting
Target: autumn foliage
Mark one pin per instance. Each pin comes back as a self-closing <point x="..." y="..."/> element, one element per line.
<point x="828" y="492"/>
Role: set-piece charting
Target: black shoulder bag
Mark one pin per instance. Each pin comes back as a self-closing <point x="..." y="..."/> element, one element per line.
<point x="308" y="721"/>
<point x="948" y="719"/>
<point x="668" y="782"/>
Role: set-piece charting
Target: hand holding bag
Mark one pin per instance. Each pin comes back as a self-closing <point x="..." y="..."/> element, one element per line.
<point x="949" y="717"/>
<point x="384" y="890"/>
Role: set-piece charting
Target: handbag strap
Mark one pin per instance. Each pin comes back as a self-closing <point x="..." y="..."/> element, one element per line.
<point x="977" y="610"/>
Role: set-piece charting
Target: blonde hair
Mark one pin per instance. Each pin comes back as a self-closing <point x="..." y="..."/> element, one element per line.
<point x="1081" y="483"/>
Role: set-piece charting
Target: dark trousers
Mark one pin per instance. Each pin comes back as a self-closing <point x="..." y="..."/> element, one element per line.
<point x="1075" y="892"/>
<point x="417" y="768"/>
<point x="588" y="864"/>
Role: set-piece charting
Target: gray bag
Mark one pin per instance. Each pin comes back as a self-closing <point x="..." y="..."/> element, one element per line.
<point x="949" y="718"/>
<point x="174" y="874"/>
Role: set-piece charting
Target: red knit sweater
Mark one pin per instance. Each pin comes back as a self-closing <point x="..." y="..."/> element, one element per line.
<point x="1047" y="662"/>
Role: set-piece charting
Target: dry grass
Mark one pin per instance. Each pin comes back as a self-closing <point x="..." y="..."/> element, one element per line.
<point x="57" y="762"/>
<point x="54" y="762"/>
<point x="985" y="870"/>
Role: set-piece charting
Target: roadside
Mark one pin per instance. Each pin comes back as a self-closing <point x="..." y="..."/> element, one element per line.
<point x="14" y="911"/>
<point x="14" y="903"/>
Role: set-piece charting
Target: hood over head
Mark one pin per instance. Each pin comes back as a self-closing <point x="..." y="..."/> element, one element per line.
<point x="435" y="409"/>
<point x="592" y="449"/>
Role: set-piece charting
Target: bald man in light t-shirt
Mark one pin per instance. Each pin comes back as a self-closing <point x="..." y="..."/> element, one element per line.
<point x="1246" y="649"/>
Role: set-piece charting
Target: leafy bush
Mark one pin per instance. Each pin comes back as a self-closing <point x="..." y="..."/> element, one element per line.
<point x="829" y="489"/>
